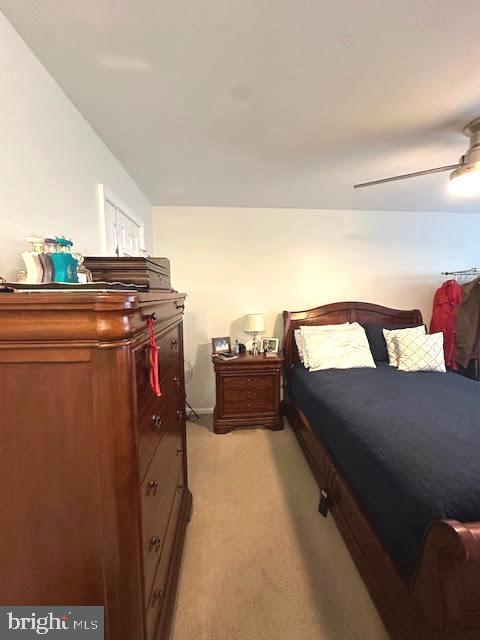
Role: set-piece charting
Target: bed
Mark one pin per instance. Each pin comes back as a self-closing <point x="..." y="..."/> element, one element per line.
<point x="395" y="456"/>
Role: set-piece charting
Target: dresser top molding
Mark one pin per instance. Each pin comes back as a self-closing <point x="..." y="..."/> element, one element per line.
<point x="87" y="318"/>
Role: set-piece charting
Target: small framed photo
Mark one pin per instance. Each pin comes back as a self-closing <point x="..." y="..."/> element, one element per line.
<point x="221" y="345"/>
<point x="269" y="345"/>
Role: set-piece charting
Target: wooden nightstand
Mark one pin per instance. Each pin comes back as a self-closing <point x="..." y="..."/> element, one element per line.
<point x="248" y="392"/>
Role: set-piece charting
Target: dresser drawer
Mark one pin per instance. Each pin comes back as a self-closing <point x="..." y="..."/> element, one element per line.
<point x="166" y="310"/>
<point x="153" y="421"/>
<point x="158" y="490"/>
<point x="176" y="394"/>
<point x="248" y="381"/>
<point x="150" y="430"/>
<point x="168" y="355"/>
<point x="145" y="394"/>
<point x="157" y="595"/>
<point x="168" y="350"/>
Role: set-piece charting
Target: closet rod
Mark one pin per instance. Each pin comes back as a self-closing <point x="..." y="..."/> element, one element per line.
<point x="465" y="272"/>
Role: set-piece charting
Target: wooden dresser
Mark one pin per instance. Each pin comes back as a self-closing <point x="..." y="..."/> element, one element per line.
<point x="94" y="499"/>
<point x="248" y="392"/>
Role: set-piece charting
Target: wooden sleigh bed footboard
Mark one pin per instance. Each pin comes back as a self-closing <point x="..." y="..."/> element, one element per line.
<point x="442" y="600"/>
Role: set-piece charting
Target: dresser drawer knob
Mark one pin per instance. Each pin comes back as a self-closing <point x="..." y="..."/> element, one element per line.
<point x="181" y="486"/>
<point x="155" y="544"/>
<point x="157" y="421"/>
<point x="180" y="414"/>
<point x="179" y="451"/>
<point x="156" y="595"/>
<point x="152" y="487"/>
<point x="174" y="342"/>
<point x="177" y="381"/>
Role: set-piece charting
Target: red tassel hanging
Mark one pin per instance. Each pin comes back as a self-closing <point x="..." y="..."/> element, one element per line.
<point x="153" y="360"/>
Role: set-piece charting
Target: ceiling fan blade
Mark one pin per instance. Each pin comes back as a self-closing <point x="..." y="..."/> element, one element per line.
<point x="415" y="174"/>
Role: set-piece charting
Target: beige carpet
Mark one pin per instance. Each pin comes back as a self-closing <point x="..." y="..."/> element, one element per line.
<point x="260" y="563"/>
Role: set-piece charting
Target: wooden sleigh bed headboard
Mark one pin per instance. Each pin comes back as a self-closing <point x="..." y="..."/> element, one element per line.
<point x="336" y="313"/>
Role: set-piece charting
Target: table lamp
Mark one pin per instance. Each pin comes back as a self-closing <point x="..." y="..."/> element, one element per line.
<point x="254" y="323"/>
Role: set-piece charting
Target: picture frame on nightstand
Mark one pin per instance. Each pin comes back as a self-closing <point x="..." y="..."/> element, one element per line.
<point x="221" y="345"/>
<point x="269" y="345"/>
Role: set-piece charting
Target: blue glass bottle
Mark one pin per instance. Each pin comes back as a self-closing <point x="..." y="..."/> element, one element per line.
<point x="64" y="264"/>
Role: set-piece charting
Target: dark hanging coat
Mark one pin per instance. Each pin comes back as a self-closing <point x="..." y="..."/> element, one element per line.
<point x="468" y="323"/>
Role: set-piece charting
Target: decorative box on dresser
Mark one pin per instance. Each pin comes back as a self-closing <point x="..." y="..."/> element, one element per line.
<point x="247" y="392"/>
<point x="94" y="495"/>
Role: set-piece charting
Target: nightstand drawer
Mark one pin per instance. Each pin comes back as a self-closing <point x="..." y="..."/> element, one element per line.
<point x="248" y="406"/>
<point x="248" y="395"/>
<point x="248" y="381"/>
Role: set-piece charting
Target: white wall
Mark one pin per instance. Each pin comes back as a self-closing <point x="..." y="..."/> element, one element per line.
<point x="51" y="161"/>
<point x="236" y="261"/>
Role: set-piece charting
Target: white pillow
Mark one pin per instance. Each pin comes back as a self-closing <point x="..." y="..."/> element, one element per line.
<point x="422" y="353"/>
<point x="299" y="341"/>
<point x="314" y="329"/>
<point x="402" y="336"/>
<point x="346" y="348"/>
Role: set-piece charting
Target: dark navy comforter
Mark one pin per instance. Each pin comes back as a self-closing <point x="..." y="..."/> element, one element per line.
<point x="407" y="443"/>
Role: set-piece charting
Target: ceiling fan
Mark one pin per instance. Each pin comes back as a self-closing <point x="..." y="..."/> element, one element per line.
<point x="464" y="176"/>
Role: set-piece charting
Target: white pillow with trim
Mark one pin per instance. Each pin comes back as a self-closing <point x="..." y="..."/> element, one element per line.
<point x="346" y="348"/>
<point x="397" y="338"/>
<point x="314" y="329"/>
<point x="299" y="343"/>
<point x="422" y="353"/>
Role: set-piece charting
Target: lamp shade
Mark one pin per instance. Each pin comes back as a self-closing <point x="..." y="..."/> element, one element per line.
<point x="254" y="322"/>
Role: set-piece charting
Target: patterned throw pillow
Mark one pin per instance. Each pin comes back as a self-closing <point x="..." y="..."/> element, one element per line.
<point x="402" y="336"/>
<point x="376" y="339"/>
<point x="422" y="353"/>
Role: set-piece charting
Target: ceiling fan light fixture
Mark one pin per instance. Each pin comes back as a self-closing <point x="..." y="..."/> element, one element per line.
<point x="465" y="175"/>
<point x="465" y="181"/>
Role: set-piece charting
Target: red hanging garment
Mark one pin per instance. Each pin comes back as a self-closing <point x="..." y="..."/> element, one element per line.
<point x="153" y="360"/>
<point x="446" y="299"/>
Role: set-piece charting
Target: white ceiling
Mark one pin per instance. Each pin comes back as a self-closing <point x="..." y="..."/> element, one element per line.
<point x="269" y="103"/>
